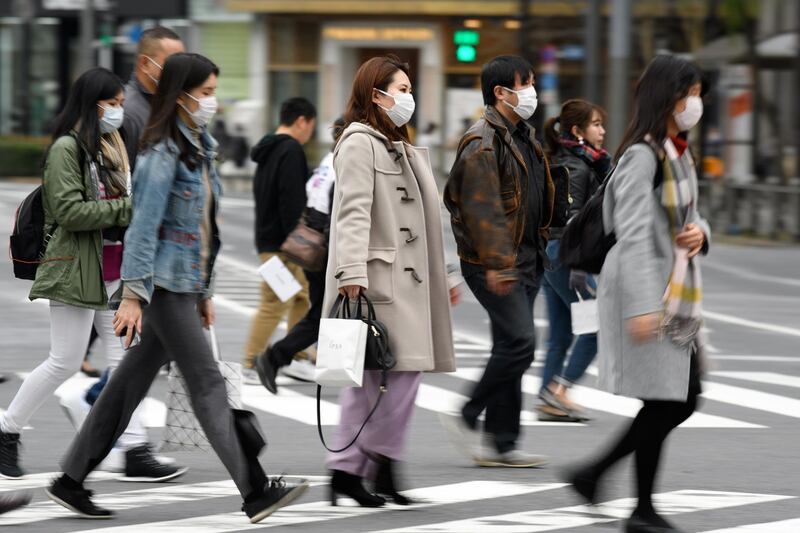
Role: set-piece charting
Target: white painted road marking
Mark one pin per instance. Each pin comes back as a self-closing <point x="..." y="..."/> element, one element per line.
<point x="670" y="503"/>
<point x="322" y="511"/>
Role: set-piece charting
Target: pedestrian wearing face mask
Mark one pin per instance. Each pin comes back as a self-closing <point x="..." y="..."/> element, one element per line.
<point x="386" y="241"/>
<point x="650" y="288"/>
<point x="575" y="141"/>
<point x="155" y="46"/>
<point x="500" y="198"/>
<point x="86" y="201"/>
<point x="165" y="299"/>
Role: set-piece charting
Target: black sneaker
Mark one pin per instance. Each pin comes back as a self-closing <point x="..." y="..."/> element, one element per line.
<point x="277" y="494"/>
<point x="9" y="456"/>
<point x="267" y="370"/>
<point x="15" y="500"/>
<point x="77" y="500"/>
<point x="141" y="466"/>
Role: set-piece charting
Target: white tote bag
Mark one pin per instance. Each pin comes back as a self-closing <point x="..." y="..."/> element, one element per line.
<point x="182" y="431"/>
<point x="341" y="348"/>
<point x="585" y="319"/>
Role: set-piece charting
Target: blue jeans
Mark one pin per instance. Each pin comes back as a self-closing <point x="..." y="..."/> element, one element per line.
<point x="559" y="297"/>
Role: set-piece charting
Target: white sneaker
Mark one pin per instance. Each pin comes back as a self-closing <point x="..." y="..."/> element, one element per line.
<point x="511" y="459"/>
<point x="75" y="406"/>
<point x="250" y="377"/>
<point x="300" y="369"/>
<point x="464" y="438"/>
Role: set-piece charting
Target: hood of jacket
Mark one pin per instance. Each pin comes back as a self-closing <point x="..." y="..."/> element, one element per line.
<point x="359" y="127"/>
<point x="268" y="144"/>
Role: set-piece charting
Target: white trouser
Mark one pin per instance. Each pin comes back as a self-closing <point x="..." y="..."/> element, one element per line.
<point x="70" y="329"/>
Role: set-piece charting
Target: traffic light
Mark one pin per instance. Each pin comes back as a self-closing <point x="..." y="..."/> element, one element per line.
<point x="466" y="42"/>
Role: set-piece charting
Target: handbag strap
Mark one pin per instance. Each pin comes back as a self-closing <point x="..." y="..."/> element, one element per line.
<point x="382" y="390"/>
<point x="212" y="333"/>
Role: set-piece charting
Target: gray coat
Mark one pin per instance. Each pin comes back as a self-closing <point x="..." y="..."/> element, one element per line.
<point x="633" y="281"/>
<point x="137" y="113"/>
<point x="386" y="236"/>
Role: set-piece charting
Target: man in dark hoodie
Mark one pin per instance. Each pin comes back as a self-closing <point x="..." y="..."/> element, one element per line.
<point x="279" y="188"/>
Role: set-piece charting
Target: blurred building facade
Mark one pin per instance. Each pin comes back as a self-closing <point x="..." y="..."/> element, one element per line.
<point x="270" y="50"/>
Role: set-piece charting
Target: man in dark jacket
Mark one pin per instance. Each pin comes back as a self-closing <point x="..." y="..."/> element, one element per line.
<point x="500" y="198"/>
<point x="279" y="188"/>
<point x="155" y="46"/>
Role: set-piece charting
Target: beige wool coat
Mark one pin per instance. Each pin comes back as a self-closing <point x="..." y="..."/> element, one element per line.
<point x="386" y="236"/>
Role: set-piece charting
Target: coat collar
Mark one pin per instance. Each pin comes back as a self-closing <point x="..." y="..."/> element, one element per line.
<point x="496" y="120"/>
<point x="200" y="139"/>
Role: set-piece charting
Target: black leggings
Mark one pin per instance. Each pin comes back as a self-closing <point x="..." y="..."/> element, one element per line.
<point x="645" y="437"/>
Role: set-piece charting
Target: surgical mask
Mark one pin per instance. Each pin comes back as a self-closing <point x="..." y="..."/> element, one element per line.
<point x="689" y="117"/>
<point x="527" y="102"/>
<point x="206" y="110"/>
<point x="112" y="118"/>
<point x="153" y="61"/>
<point x="404" y="106"/>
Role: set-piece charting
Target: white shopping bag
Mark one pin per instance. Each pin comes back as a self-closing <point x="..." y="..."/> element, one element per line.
<point x="341" y="348"/>
<point x="182" y="431"/>
<point x="584" y="316"/>
<point x="280" y="280"/>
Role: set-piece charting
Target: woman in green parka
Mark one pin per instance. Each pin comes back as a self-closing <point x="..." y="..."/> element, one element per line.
<point x="87" y="205"/>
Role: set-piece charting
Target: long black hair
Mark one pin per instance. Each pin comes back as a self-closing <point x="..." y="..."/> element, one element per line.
<point x="182" y="73"/>
<point x="80" y="112"/>
<point x="665" y="81"/>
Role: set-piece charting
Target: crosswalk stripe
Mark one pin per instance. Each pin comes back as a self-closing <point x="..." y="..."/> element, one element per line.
<point x="670" y="503"/>
<point x="752" y="399"/>
<point x="781" y="526"/>
<point x="322" y="511"/>
<point x="290" y="404"/>
<point x="610" y="403"/>
<point x="770" y="378"/>
<point x="43" y="479"/>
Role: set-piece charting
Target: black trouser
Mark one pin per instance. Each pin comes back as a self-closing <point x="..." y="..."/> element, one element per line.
<point x="499" y="391"/>
<point x="305" y="332"/>
<point x="171" y="329"/>
<point x="645" y="437"/>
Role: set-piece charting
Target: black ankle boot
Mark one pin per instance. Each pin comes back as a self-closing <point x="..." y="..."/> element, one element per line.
<point x="350" y="485"/>
<point x="584" y="482"/>
<point x="385" y="482"/>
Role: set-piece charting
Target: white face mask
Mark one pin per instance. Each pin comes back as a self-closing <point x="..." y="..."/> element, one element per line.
<point x="527" y="101"/>
<point x="112" y="118"/>
<point x="689" y="117"/>
<point x="206" y="110"/>
<point x="153" y="61"/>
<point x="403" y="109"/>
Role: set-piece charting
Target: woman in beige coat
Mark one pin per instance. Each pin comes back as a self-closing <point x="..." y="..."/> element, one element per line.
<point x="386" y="240"/>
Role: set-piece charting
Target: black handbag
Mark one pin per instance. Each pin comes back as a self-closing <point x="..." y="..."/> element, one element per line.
<point x="378" y="355"/>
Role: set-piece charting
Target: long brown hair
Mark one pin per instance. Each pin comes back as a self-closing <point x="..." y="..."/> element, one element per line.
<point x="375" y="73"/>
<point x="575" y="112"/>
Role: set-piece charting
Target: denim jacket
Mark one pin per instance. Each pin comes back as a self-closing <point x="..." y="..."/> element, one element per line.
<point x="162" y="245"/>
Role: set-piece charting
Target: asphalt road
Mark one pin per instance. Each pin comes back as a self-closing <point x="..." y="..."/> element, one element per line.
<point x="734" y="464"/>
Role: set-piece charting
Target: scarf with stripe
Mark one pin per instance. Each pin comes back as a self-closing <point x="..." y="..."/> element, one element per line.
<point x="684" y="294"/>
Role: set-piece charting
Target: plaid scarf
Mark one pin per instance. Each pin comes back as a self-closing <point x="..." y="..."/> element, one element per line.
<point x="599" y="160"/>
<point x="684" y="294"/>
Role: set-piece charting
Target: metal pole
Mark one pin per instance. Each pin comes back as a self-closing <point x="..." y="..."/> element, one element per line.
<point x="797" y="107"/>
<point x="591" y="46"/>
<point x="87" y="54"/>
<point x="619" y="71"/>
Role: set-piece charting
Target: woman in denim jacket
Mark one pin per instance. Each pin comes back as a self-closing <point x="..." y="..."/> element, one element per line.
<point x="167" y="267"/>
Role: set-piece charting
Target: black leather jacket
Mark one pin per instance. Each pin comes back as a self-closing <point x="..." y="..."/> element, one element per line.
<point x="583" y="182"/>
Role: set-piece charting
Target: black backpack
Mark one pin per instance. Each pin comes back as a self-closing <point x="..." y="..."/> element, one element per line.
<point x="29" y="239"/>
<point x="584" y="243"/>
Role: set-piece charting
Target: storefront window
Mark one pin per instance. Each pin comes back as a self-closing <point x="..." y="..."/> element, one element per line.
<point x="285" y="85"/>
